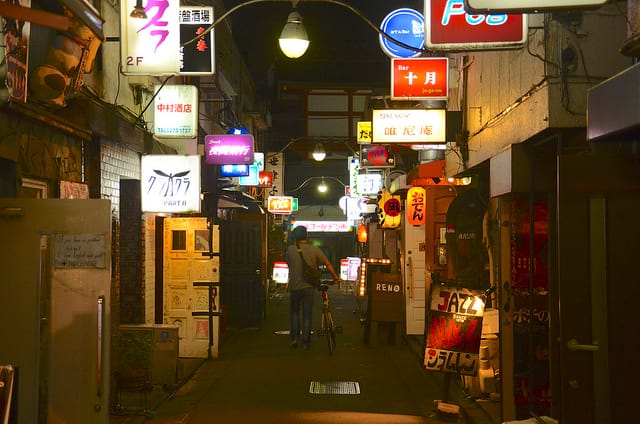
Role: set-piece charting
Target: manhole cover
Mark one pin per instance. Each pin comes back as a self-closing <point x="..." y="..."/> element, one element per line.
<point x="334" y="388"/>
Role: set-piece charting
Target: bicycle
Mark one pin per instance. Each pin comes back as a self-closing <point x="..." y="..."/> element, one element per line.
<point x="329" y="327"/>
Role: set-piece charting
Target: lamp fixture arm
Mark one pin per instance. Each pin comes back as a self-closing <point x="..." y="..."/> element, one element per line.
<point x="336" y="2"/>
<point x="308" y="180"/>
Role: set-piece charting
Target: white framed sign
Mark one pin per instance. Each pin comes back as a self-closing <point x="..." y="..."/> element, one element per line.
<point x="175" y="111"/>
<point x="150" y="46"/>
<point x="409" y="126"/>
<point x="170" y="183"/>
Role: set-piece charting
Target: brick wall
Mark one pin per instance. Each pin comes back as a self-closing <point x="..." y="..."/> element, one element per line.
<point x="119" y="164"/>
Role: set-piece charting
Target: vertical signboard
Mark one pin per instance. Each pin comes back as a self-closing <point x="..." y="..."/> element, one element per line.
<point x="275" y="164"/>
<point x="150" y="46"/>
<point x="175" y="111"/>
<point x="170" y="183"/>
<point x="197" y="57"/>
<point x="417" y="206"/>
<point x="454" y="329"/>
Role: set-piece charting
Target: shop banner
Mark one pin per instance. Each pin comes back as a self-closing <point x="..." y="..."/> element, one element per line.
<point x="454" y="329"/>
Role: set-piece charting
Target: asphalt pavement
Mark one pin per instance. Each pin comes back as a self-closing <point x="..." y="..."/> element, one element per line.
<point x="259" y="378"/>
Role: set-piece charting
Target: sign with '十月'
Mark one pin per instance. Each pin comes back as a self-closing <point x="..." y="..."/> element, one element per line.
<point x="424" y="78"/>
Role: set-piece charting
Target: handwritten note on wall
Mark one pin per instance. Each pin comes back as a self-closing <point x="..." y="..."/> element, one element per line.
<point x="79" y="251"/>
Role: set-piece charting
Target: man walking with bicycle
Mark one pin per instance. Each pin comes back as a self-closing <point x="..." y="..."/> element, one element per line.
<point x="300" y="291"/>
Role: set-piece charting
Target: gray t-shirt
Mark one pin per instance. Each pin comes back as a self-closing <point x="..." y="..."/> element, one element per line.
<point x="312" y="255"/>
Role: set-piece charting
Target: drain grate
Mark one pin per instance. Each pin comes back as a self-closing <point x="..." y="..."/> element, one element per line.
<point x="334" y="388"/>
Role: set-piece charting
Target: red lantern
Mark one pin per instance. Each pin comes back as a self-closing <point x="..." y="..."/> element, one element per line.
<point x="362" y="233"/>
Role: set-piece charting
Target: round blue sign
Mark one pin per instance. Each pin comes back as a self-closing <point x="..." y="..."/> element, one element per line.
<point x="406" y="26"/>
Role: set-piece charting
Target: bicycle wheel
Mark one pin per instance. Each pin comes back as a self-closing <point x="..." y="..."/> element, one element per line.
<point x="329" y="329"/>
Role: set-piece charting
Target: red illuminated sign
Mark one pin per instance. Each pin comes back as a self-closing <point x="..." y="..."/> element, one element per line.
<point x="450" y="27"/>
<point x="265" y="179"/>
<point x="424" y="78"/>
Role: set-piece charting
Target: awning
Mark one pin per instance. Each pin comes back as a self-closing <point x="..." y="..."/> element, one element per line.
<point x="426" y="173"/>
<point x="239" y="200"/>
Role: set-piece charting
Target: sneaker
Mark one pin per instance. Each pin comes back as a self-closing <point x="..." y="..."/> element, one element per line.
<point x="294" y="344"/>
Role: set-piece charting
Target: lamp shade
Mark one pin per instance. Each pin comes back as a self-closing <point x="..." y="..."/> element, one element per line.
<point x="293" y="39"/>
<point x="318" y="153"/>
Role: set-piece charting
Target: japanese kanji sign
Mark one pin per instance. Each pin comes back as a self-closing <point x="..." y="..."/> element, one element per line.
<point x="424" y="78"/>
<point x="229" y="149"/>
<point x="197" y="57"/>
<point x="416" y="206"/>
<point x="175" y="111"/>
<point x="409" y="126"/>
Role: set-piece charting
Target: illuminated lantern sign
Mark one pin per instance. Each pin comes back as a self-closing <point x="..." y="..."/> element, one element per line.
<point x="417" y="206"/>
<point x="176" y="111"/>
<point x="421" y="78"/>
<point x="196" y="58"/>
<point x="419" y="126"/>
<point x="280" y="204"/>
<point x="170" y="183"/>
<point x="150" y="46"/>
<point x="375" y="156"/>
<point x="389" y="210"/>
<point x="450" y="27"/>
<point x="229" y="149"/>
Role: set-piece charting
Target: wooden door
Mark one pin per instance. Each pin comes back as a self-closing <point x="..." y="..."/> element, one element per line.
<point x="186" y="298"/>
<point x="598" y="243"/>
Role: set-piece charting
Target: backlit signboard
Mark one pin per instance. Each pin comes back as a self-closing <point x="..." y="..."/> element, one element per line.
<point x="450" y="27"/>
<point x="251" y="179"/>
<point x="170" y="183"/>
<point x="280" y="204"/>
<point x="197" y="57"/>
<point x="175" y="111"/>
<point x="229" y="149"/>
<point x="369" y="184"/>
<point x="150" y="46"/>
<point x="364" y="132"/>
<point x="421" y="78"/>
<point x="376" y="156"/>
<point x="265" y="179"/>
<point x="419" y="126"/>
<point x="280" y="272"/>
<point x="234" y="170"/>
<point x="406" y="26"/>
<point x="326" y="226"/>
<point x="533" y="6"/>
